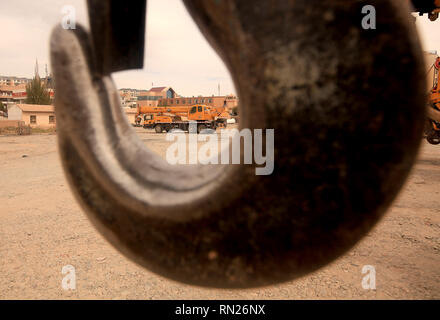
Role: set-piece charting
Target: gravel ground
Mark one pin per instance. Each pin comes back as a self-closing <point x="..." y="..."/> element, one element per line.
<point x="43" y="229"/>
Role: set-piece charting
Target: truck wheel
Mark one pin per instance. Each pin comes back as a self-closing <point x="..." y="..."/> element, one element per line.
<point x="433" y="138"/>
<point x="200" y="128"/>
<point x="158" y="128"/>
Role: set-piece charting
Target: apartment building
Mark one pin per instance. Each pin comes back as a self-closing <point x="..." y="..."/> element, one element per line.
<point x="13" y="81"/>
<point x="12" y="94"/>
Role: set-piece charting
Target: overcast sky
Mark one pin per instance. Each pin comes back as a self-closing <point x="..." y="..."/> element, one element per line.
<point x="176" y="54"/>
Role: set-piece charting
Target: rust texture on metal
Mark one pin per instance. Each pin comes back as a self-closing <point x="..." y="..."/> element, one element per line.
<point x="348" y="109"/>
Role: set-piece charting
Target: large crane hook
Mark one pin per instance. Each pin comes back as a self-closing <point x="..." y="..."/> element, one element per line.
<point x="347" y="105"/>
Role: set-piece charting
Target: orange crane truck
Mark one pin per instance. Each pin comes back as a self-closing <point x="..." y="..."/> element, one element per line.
<point x="167" y="118"/>
<point x="432" y="130"/>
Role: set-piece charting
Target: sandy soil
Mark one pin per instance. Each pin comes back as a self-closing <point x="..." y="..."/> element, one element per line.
<point x="43" y="229"/>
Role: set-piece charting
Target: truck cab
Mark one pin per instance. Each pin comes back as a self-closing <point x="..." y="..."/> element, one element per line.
<point x="200" y="113"/>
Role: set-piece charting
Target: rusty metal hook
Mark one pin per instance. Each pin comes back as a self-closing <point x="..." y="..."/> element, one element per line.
<point x="347" y="106"/>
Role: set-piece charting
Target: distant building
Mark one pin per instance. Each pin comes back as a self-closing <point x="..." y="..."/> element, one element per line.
<point x="13" y="89"/>
<point x="13" y="81"/>
<point x="128" y="97"/>
<point x="132" y="97"/>
<point x="152" y="96"/>
<point x="17" y="94"/>
<point x="131" y="114"/>
<point x="6" y="95"/>
<point x="33" y="114"/>
<point x="12" y="94"/>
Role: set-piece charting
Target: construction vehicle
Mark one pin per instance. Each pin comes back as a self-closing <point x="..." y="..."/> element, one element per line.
<point x="432" y="129"/>
<point x="219" y="114"/>
<point x="168" y="118"/>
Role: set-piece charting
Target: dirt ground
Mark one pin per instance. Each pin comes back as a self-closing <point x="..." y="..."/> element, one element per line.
<point x="43" y="229"/>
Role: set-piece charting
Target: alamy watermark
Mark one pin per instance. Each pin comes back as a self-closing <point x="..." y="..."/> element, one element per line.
<point x="69" y="280"/>
<point x="369" y="280"/>
<point x="185" y="148"/>
<point x="69" y="17"/>
<point x="369" y="20"/>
